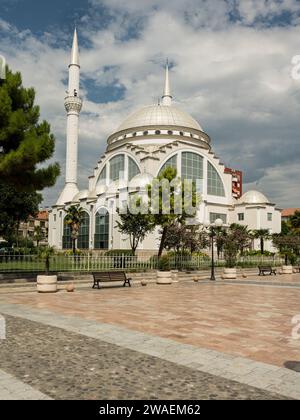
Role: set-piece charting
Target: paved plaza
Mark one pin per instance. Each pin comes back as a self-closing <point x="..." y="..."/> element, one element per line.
<point x="184" y="341"/>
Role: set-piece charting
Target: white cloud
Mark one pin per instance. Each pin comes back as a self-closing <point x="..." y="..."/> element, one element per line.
<point x="234" y="79"/>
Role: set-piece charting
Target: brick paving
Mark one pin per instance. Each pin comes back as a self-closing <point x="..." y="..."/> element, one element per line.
<point x="233" y="340"/>
<point x="244" y="320"/>
<point x="65" y="365"/>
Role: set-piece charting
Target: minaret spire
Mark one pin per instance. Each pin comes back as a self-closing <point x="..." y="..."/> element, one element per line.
<point x="75" y="50"/>
<point x="73" y="105"/>
<point x="167" y="96"/>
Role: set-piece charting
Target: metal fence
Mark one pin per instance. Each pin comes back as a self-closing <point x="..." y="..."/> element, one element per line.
<point x="90" y="263"/>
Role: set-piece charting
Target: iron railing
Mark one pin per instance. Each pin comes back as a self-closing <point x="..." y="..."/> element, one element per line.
<point x="90" y="263"/>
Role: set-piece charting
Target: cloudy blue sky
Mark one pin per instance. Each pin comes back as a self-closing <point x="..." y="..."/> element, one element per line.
<point x="231" y="69"/>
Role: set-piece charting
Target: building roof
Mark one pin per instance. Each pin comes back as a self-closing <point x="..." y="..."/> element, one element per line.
<point x="42" y="215"/>
<point x="159" y="115"/>
<point x="164" y="114"/>
<point x="289" y="212"/>
<point x="253" y="197"/>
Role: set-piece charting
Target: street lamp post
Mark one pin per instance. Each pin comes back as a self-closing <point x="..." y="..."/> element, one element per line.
<point x="218" y="223"/>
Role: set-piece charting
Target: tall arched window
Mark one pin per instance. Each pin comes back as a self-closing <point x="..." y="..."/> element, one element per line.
<point x="102" y="229"/>
<point x="133" y="169"/>
<point x="214" y="182"/>
<point x="191" y="166"/>
<point x="117" y="165"/>
<point x="102" y="177"/>
<point x="67" y="240"/>
<point x="84" y="232"/>
<point x="171" y="163"/>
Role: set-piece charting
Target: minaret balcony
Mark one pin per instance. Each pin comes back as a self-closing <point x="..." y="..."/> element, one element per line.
<point x="73" y="103"/>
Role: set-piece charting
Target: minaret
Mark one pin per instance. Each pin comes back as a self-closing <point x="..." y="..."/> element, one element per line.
<point x="167" y="97"/>
<point x="73" y="105"/>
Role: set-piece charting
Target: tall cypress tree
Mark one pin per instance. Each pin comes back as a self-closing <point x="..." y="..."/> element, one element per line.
<point x="25" y="142"/>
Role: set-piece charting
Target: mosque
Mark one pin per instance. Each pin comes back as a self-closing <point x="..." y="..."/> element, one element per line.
<point x="151" y="139"/>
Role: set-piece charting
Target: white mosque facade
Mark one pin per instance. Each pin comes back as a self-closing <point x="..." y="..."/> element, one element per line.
<point x="151" y="139"/>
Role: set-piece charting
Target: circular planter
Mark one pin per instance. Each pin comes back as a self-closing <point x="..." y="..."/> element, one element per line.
<point x="144" y="283"/>
<point x="47" y="284"/>
<point x="287" y="269"/>
<point x="164" y="277"/>
<point x="229" y="273"/>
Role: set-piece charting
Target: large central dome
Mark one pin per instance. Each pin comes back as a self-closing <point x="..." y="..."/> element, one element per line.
<point x="159" y="115"/>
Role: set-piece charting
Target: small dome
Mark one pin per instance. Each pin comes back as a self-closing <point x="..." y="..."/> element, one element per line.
<point x="140" y="181"/>
<point x="159" y="115"/>
<point x="81" y="195"/>
<point x="253" y="197"/>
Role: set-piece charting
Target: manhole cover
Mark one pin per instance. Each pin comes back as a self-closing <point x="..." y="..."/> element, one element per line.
<point x="292" y="366"/>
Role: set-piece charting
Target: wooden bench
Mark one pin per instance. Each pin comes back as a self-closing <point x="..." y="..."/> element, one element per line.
<point x="110" y="277"/>
<point x="266" y="269"/>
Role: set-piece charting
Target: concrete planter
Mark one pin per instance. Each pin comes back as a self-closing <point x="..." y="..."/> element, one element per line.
<point x="164" y="277"/>
<point x="47" y="284"/>
<point x="287" y="269"/>
<point x="229" y="273"/>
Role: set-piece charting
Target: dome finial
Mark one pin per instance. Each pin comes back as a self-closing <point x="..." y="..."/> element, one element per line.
<point x="75" y="50"/>
<point x="167" y="97"/>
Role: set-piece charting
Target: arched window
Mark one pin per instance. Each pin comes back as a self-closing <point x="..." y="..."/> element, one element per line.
<point x="67" y="240"/>
<point x="171" y="163"/>
<point x="102" y="177"/>
<point x="214" y="182"/>
<point x="191" y="166"/>
<point x="157" y="132"/>
<point x="133" y="169"/>
<point x="170" y="133"/>
<point x="102" y="229"/>
<point x="84" y="232"/>
<point x="117" y="165"/>
<point x="146" y="133"/>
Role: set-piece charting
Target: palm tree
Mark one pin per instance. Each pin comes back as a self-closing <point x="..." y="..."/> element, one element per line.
<point x="262" y="235"/>
<point x="74" y="219"/>
<point x="244" y="235"/>
<point x="38" y="235"/>
<point x="46" y="253"/>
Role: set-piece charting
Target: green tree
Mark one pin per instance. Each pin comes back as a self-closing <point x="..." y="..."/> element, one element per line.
<point x="219" y="238"/>
<point x="294" y="222"/>
<point x="38" y="235"/>
<point x="74" y="219"/>
<point x="244" y="235"/>
<point x="166" y="214"/>
<point x="262" y="235"/>
<point x="16" y="207"/>
<point x="45" y="253"/>
<point x="288" y="246"/>
<point x="136" y="225"/>
<point x="25" y="143"/>
<point x="235" y="239"/>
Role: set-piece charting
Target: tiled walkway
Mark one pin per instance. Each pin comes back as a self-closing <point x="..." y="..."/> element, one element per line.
<point x="230" y="332"/>
<point x="244" y="320"/>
